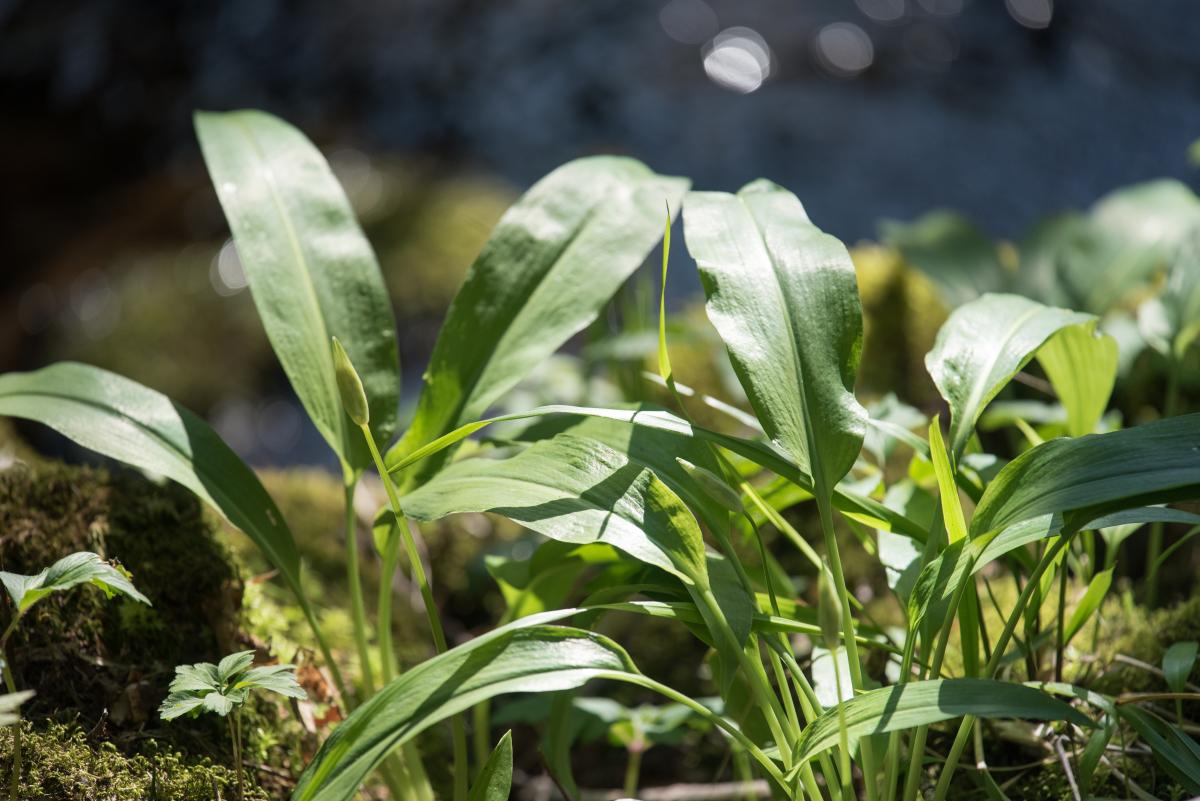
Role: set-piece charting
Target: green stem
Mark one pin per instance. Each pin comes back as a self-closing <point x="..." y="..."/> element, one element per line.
<point x="235" y="739"/>
<point x="417" y="567"/>
<point x="11" y="683"/>
<point x="354" y="583"/>
<point x="633" y="768"/>
<point x="844" y="739"/>
<point x="383" y="613"/>
<point x="1154" y="546"/>
<point x="1060" y="644"/>
<point x="993" y="665"/>
<point x="824" y="508"/>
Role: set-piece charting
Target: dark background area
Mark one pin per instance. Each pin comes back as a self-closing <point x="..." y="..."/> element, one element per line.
<point x="1006" y="110"/>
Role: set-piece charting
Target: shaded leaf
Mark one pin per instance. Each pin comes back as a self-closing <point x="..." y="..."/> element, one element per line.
<point x="1178" y="662"/>
<point x="494" y="780"/>
<point x="951" y="251"/>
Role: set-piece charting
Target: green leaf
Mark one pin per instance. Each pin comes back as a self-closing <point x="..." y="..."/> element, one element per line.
<point x="981" y="347"/>
<point x="543" y="581"/>
<point x="494" y="781"/>
<point x="524" y="656"/>
<point x="10" y="706"/>
<point x="1081" y="363"/>
<point x="951" y="251"/>
<point x="1173" y="748"/>
<point x="126" y="421"/>
<point x="219" y="688"/>
<point x="573" y="490"/>
<point x="1089" y="603"/>
<point x="310" y="268"/>
<point x="1090" y="476"/>
<point x="920" y="703"/>
<point x="861" y="508"/>
<point x="1178" y="662"/>
<point x="943" y="470"/>
<point x="70" y="571"/>
<point x="554" y="259"/>
<point x="784" y="298"/>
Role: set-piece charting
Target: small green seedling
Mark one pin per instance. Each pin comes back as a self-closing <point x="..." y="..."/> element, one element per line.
<point x="223" y="688"/>
<point x="25" y="591"/>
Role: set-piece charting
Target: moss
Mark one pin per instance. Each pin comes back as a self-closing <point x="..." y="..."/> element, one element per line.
<point x="104" y="666"/>
<point x="60" y="763"/>
<point x="1144" y="636"/>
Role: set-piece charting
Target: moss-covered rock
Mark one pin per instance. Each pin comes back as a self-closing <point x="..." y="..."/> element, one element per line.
<point x="102" y="667"/>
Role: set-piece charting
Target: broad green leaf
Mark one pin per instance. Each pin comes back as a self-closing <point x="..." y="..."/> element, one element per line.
<point x="573" y="490"/>
<point x="649" y="447"/>
<point x="943" y="470"/>
<point x="1173" y="748"/>
<point x="1178" y="662"/>
<point x="310" y="268"/>
<point x="951" y="251"/>
<point x="1081" y="363"/>
<point x="864" y="509"/>
<point x="10" y="705"/>
<point x="554" y="259"/>
<point x="783" y="296"/>
<point x="1090" y="476"/>
<point x="494" y="780"/>
<point x="1093" y="596"/>
<point x="126" y="421"/>
<point x="920" y="703"/>
<point x="981" y="347"/>
<point x="70" y="571"/>
<point x="524" y="656"/>
<point x="1171" y="322"/>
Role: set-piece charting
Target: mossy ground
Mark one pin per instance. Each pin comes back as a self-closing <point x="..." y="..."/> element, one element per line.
<point x="100" y="668"/>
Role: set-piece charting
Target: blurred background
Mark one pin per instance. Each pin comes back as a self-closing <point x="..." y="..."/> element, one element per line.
<point x="436" y="115"/>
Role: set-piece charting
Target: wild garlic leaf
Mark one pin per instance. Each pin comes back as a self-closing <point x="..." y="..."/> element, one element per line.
<point x="1178" y="662"/>
<point x="981" y="347"/>
<point x="783" y="296"/>
<point x="219" y="688"/>
<point x="70" y="571"/>
<point x="312" y="272"/>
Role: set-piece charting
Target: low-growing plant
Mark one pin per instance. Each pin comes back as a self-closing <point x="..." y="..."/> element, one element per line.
<point x="223" y="689"/>
<point x="647" y="513"/>
<point x="25" y="591"/>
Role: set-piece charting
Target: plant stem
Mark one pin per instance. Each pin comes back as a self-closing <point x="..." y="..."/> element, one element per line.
<point x="844" y="740"/>
<point x="11" y="683"/>
<point x="633" y="768"/>
<point x="235" y="738"/>
<point x="354" y="583"/>
<point x="417" y="567"/>
<point x="1155" y="544"/>
<point x="989" y="671"/>
<point x="824" y="508"/>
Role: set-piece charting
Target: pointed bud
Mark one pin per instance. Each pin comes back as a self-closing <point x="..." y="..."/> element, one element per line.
<point x="713" y="486"/>
<point x="354" y="399"/>
<point x="829" y="611"/>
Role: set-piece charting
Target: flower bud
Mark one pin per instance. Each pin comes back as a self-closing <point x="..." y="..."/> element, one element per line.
<point x="354" y="399"/>
<point x="713" y="486"/>
<point x="829" y="611"/>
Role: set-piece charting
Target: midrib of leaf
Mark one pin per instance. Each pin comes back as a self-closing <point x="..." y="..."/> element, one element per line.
<point x="814" y="459"/>
<point x="310" y="294"/>
<point x="210" y="486"/>
<point x="979" y="389"/>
